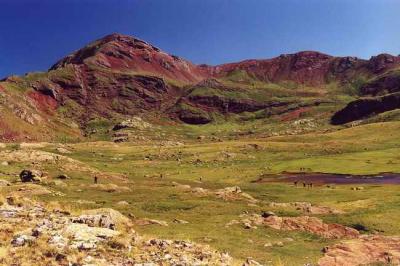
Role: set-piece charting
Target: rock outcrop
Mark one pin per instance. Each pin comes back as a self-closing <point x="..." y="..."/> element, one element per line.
<point x="308" y="224"/>
<point x="39" y="236"/>
<point x="366" y="107"/>
<point x="366" y="250"/>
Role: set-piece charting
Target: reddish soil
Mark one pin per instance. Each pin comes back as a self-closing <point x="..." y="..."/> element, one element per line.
<point x="6" y="133"/>
<point x="45" y="103"/>
<point x="296" y="114"/>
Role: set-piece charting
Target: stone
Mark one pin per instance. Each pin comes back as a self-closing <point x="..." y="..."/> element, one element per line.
<point x="267" y="214"/>
<point x="122" y="203"/>
<point x="365" y="250"/>
<point x="30" y="176"/>
<point x="312" y="225"/>
<point x="58" y="241"/>
<point x="86" y="237"/>
<point x="21" y="240"/>
<point x="135" y="122"/>
<point x="63" y="176"/>
<point x="178" y="221"/>
<point x="268" y="244"/>
<point x="104" y="218"/>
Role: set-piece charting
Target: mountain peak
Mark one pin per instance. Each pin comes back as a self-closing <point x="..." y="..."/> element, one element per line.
<point x="118" y="52"/>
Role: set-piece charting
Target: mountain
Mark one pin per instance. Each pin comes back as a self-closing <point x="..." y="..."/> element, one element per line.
<point x="119" y="76"/>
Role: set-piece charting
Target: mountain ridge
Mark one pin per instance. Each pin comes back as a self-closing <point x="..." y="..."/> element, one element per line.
<point x="119" y="76"/>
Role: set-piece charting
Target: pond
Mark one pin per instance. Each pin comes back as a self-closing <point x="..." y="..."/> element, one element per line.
<point x="339" y="179"/>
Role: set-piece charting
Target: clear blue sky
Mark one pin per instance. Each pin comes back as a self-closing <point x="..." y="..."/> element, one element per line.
<point x="34" y="34"/>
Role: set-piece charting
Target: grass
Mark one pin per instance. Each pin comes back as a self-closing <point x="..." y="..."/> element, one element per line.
<point x="352" y="150"/>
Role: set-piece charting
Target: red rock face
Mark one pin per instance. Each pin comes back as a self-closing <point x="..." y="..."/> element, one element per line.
<point x="128" y="76"/>
<point x="303" y="68"/>
<point x="124" y="53"/>
<point x="43" y="102"/>
<point x="380" y="63"/>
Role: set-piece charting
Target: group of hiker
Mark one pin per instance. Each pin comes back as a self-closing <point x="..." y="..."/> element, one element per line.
<point x="305" y="185"/>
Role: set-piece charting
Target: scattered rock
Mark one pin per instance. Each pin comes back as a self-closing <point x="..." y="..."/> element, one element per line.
<point x="63" y="176"/>
<point x="364" y="250"/>
<point x="122" y="203"/>
<point x="267" y="245"/>
<point x="234" y="193"/>
<point x="301" y="223"/>
<point x="178" y="221"/>
<point x="180" y="186"/>
<point x="200" y="191"/>
<point x="63" y="150"/>
<point x="106" y="218"/>
<point x="57" y="183"/>
<point x="307" y="207"/>
<point x="21" y="240"/>
<point x="312" y="225"/>
<point x="86" y="237"/>
<point x="267" y="214"/>
<point x="134" y="122"/>
<point x="251" y="262"/>
<point x="150" y="222"/>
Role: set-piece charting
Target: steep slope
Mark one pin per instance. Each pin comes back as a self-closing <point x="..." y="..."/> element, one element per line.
<point x="117" y="52"/>
<point x="119" y="76"/>
<point x="378" y="95"/>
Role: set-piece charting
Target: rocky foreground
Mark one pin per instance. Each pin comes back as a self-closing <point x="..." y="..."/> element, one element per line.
<point x="33" y="234"/>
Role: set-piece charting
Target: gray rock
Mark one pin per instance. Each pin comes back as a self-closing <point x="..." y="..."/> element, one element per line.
<point x="21" y="240"/>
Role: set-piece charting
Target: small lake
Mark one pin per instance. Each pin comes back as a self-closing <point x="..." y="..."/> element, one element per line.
<point x="339" y="179"/>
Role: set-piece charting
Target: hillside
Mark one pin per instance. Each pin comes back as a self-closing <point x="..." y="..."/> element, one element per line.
<point x="119" y="77"/>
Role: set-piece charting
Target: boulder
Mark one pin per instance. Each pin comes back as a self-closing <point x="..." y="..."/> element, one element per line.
<point x="122" y="203"/>
<point x="134" y="123"/>
<point x="84" y="237"/>
<point x="106" y="218"/>
<point x="21" y="240"/>
<point x="63" y="176"/>
<point x="30" y="176"/>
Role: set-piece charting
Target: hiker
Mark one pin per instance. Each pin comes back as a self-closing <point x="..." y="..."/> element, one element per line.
<point x="95" y="179"/>
<point x="304" y="184"/>
<point x="295" y="183"/>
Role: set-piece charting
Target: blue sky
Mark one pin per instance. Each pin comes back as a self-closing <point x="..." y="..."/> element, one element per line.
<point x="34" y="34"/>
